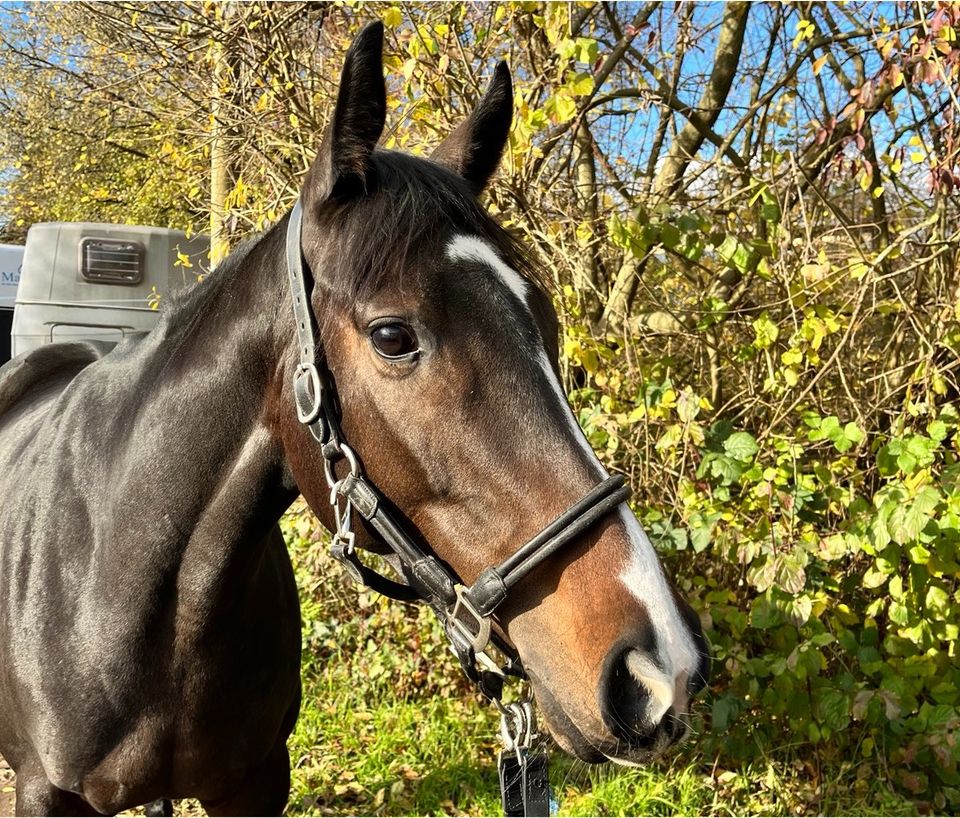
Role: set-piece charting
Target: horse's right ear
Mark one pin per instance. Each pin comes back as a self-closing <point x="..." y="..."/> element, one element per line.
<point x="343" y="161"/>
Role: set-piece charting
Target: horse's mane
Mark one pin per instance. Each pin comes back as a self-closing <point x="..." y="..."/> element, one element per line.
<point x="185" y="305"/>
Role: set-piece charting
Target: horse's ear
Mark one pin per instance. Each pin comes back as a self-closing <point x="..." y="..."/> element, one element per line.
<point x="474" y="149"/>
<point x="343" y="160"/>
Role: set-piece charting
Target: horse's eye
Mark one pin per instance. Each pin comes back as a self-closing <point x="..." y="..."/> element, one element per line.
<point x="393" y="341"/>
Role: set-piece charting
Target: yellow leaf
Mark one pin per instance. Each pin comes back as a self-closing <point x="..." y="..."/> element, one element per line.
<point x="818" y="64"/>
<point x="392" y="17"/>
<point x="581" y="84"/>
<point x="878" y="192"/>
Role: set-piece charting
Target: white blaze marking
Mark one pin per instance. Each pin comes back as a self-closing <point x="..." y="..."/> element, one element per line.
<point x="643" y="575"/>
<point x="470" y="248"/>
<point x="644" y="578"/>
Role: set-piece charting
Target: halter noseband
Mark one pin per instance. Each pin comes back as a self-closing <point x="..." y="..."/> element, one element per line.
<point x="466" y="612"/>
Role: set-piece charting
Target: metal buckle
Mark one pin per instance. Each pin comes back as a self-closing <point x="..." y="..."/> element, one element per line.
<point x="314" y="391"/>
<point x="475" y="630"/>
<point x="523" y="773"/>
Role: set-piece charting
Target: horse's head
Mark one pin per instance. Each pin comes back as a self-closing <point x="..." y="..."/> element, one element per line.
<point x="443" y="349"/>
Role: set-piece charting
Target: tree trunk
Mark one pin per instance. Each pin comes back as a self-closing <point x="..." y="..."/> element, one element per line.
<point x="691" y="137"/>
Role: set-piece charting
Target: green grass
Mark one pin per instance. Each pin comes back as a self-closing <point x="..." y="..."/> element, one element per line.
<point x="389" y="727"/>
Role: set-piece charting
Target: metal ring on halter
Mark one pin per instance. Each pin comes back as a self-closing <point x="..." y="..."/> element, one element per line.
<point x="332" y="481"/>
<point x="516" y="724"/>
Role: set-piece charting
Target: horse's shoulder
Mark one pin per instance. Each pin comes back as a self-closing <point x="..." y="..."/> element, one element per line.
<point x="40" y="367"/>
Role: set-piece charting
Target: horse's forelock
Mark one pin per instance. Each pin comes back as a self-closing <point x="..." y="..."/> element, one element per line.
<point x="408" y="212"/>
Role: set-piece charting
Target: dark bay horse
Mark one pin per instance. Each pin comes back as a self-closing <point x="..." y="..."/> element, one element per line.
<point x="149" y="625"/>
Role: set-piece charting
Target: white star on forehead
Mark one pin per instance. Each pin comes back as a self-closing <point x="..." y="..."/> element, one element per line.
<point x="472" y="248"/>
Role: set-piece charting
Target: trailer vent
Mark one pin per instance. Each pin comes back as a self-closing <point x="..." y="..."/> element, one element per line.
<point x="111" y="261"/>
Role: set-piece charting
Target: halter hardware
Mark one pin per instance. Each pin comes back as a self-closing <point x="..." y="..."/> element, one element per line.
<point x="466" y="612"/>
<point x="308" y="393"/>
<point x="467" y="625"/>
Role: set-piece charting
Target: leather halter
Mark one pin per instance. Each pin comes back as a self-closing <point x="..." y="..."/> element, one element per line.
<point x="466" y="612"/>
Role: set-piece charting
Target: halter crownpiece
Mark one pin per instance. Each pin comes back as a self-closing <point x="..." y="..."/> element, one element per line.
<point x="467" y="613"/>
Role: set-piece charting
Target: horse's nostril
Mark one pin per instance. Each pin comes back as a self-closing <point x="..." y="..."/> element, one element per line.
<point x="633" y="703"/>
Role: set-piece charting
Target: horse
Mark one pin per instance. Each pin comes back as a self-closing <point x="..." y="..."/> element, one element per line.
<point x="149" y="622"/>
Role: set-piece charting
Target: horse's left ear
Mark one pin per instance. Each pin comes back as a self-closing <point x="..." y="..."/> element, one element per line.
<point x="343" y="161"/>
<point x="474" y="149"/>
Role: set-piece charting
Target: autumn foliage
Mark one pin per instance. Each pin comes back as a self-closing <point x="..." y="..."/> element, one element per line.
<point x="750" y="216"/>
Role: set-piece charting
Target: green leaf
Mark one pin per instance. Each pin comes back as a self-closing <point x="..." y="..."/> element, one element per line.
<point x="909" y="519"/>
<point x="725" y="468"/>
<point x="765" y="332"/>
<point x="587" y="50"/>
<point x="700" y="538"/>
<point x="853" y="433"/>
<point x="937" y="430"/>
<point x="670" y="236"/>
<point x="833" y="709"/>
<point x="392" y="17"/>
<point x="898" y="613"/>
<point x="741" y="446"/>
<point x="936" y="599"/>
<point x="566" y="48"/>
<point x="563" y="106"/>
<point x="724" y="712"/>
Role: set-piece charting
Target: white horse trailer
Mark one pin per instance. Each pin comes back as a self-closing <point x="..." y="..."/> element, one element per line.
<point x="11" y="257"/>
<point x="97" y="281"/>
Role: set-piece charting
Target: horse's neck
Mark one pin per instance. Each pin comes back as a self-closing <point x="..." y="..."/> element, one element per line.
<point x="206" y="479"/>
